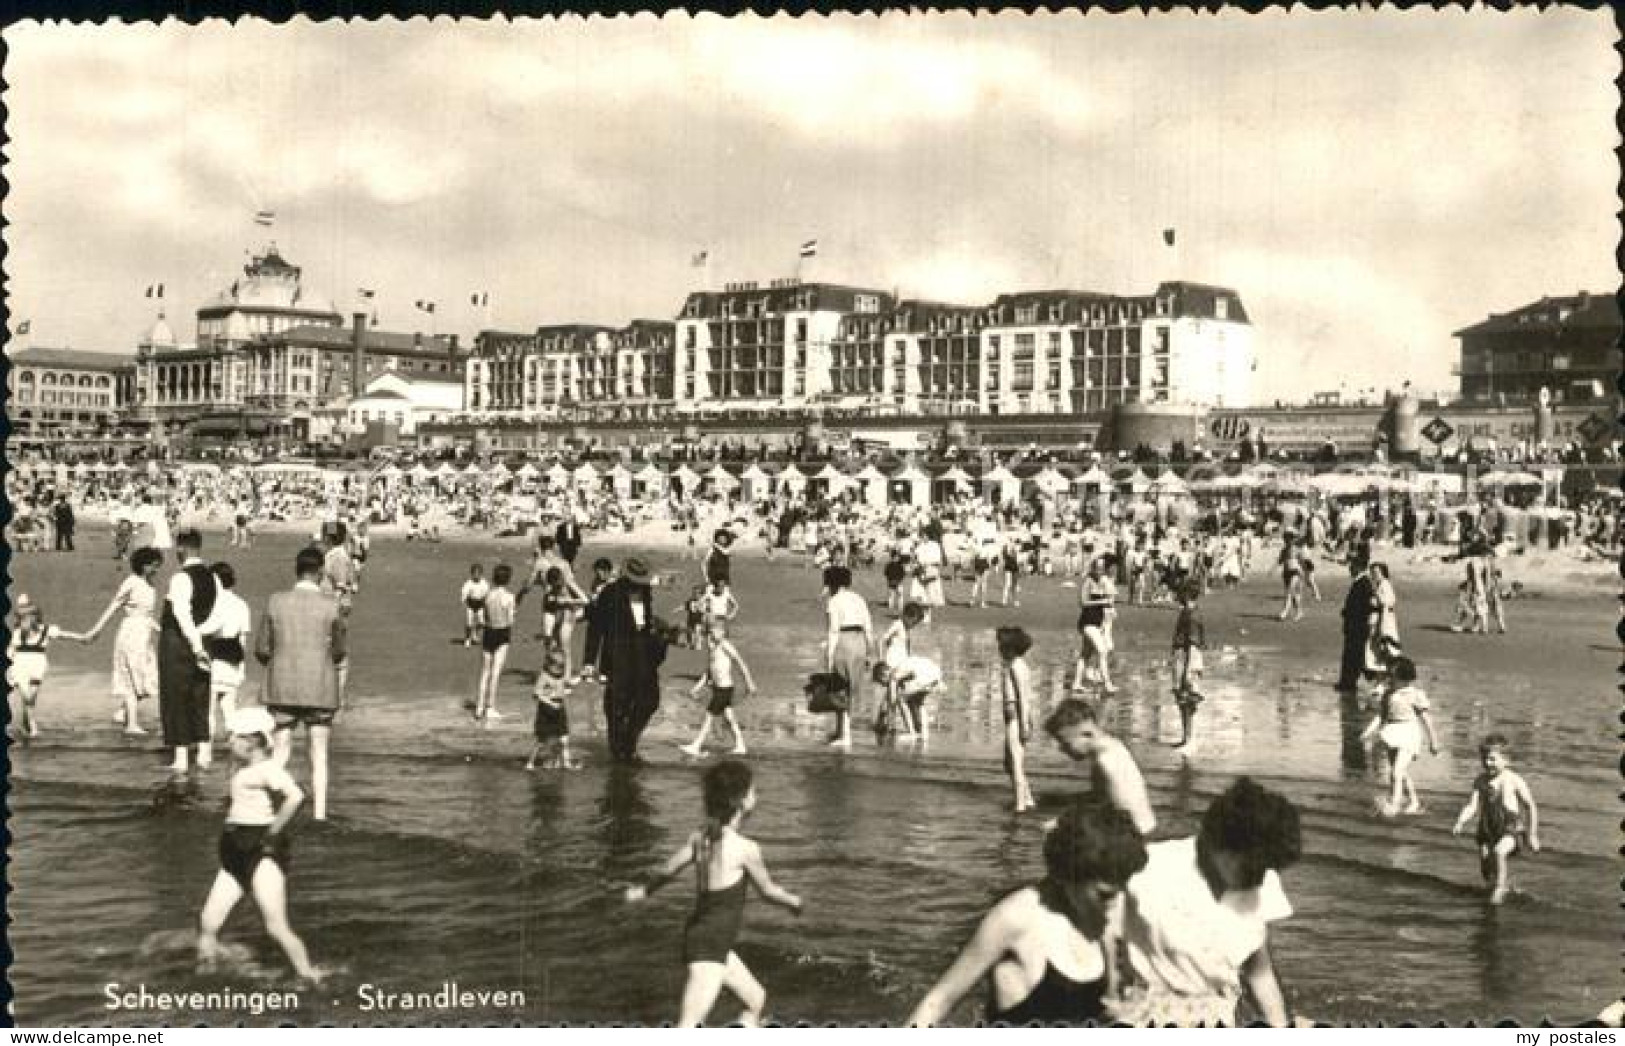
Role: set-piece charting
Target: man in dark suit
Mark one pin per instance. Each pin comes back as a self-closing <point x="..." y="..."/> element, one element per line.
<point x="1357" y="606"/>
<point x="62" y="516"/>
<point x="568" y="539"/>
<point x="303" y="638"/>
<point x="632" y="652"/>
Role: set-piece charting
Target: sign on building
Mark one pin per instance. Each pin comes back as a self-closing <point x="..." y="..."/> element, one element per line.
<point x="1438" y="431"/>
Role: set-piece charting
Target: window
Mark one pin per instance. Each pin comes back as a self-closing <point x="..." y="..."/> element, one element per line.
<point x="1022" y="380"/>
<point x="1221" y="308"/>
<point x="801" y="331"/>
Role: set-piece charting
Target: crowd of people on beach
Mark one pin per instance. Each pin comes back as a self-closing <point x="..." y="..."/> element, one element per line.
<point x="1191" y="915"/>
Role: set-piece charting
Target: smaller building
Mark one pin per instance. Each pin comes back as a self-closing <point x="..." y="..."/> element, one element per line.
<point x="404" y="400"/>
<point x="1564" y="345"/>
<point x="54" y="391"/>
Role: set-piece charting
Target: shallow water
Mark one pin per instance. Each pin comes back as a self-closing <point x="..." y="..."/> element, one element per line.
<point x="446" y="862"/>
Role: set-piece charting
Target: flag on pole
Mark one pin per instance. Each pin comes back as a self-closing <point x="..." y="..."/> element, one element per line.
<point x="155" y="290"/>
<point x="482" y="298"/>
<point x="809" y="249"/>
<point x="700" y="259"/>
<point x="266" y="218"/>
<point x="426" y="306"/>
<point x="24" y="327"/>
<point x="1168" y="237"/>
<point x="366" y="292"/>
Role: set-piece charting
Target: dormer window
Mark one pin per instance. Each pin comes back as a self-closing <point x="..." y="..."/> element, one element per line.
<point x="1221" y="308"/>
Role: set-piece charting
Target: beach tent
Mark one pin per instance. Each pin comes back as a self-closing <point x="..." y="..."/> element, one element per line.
<point x="620" y="480"/>
<point x="649" y="481"/>
<point x="558" y="475"/>
<point x="792" y="479"/>
<point x="755" y="483"/>
<point x="1136" y="481"/>
<point x="910" y="486"/>
<point x="721" y="479"/>
<point x="685" y="481"/>
<point x="390" y="474"/>
<point x="422" y="472"/>
<point x="1095" y="477"/>
<point x="871" y="484"/>
<point x="1000" y="485"/>
<point x="473" y="471"/>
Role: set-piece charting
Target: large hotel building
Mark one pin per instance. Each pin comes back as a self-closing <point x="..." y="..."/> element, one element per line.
<point x="792" y="346"/>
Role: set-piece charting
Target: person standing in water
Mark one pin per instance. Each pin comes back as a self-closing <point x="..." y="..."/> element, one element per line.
<point x="726" y="865"/>
<point x="1508" y="819"/>
<point x="135" y="656"/>
<point x="849" y="637"/>
<point x="183" y="657"/>
<point x="1047" y="950"/>
<point x="1113" y="774"/>
<point x="254" y="849"/>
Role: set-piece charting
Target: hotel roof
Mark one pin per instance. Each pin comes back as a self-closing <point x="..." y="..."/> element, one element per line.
<point x="80" y="359"/>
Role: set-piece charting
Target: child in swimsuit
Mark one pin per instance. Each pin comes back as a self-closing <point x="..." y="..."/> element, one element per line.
<point x="721" y="657"/>
<point x="473" y="594"/>
<point x="254" y="852"/>
<point x="552" y="727"/>
<point x="1400" y="723"/>
<point x="916" y="679"/>
<point x="1507" y="816"/>
<point x="561" y="600"/>
<point x="725" y="863"/>
<point x="1190" y="636"/>
<point x="26" y="656"/>
<point x="1016" y="686"/>
<point x="494" y="640"/>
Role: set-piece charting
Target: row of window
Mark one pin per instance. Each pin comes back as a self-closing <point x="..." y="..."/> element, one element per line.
<point x="84" y="381"/>
<point x="66" y="398"/>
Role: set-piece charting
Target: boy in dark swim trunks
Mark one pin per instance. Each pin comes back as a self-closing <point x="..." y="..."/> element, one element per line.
<point x="721" y="657"/>
<point x="726" y="863"/>
<point x="1508" y="819"/>
<point x="254" y="851"/>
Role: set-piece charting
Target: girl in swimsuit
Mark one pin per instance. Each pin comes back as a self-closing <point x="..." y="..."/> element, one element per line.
<point x="725" y="864"/>
<point x="1045" y="949"/>
<point x="26" y="655"/>
<point x="254" y="851"/>
<point x="561" y="600"/>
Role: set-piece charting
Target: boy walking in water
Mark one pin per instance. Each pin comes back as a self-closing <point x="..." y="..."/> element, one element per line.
<point x="1190" y="636"/>
<point x="721" y="656"/>
<point x="1507" y="817"/>
<point x="473" y="594"/>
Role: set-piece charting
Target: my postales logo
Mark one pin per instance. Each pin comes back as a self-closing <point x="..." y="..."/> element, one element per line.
<point x="1230" y="428"/>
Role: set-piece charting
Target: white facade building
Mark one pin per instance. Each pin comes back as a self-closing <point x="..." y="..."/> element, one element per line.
<point x="405" y="400"/>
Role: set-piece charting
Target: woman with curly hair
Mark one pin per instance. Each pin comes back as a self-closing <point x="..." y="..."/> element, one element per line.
<point x="1198" y="917"/>
<point x="1045" y="949"/>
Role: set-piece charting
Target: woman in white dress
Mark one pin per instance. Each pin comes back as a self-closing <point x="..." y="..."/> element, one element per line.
<point x="135" y="652"/>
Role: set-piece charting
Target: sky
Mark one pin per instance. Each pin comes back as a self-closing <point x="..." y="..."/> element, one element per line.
<point x="1369" y="182"/>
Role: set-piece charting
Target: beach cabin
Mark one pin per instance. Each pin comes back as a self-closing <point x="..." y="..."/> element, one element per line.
<point x="1000" y="486"/>
<point x="649" y="483"/>
<point x="421" y="473"/>
<point x="755" y="484"/>
<point x="871" y="484"/>
<point x="446" y="475"/>
<point x="585" y="477"/>
<point x="828" y="482"/>
<point x="558" y="476"/>
<point x="792" y="479"/>
<point x="527" y="475"/>
<point x="951" y="484"/>
<point x="620" y="480"/>
<point x="909" y="486"/>
<point x="720" y="481"/>
<point x="685" y="482"/>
